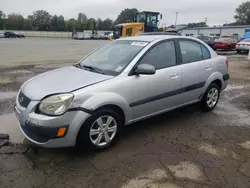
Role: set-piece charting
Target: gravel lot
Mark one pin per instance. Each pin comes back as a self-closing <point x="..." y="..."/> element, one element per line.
<point x="184" y="148"/>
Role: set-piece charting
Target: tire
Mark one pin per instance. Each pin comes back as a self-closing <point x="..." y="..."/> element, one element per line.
<point x="238" y="51"/>
<point x="206" y="100"/>
<point x="85" y="140"/>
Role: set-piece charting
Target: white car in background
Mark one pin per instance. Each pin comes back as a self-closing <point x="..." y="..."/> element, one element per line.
<point x="81" y="36"/>
<point x="243" y="45"/>
<point x="86" y="37"/>
<point x="1" y="35"/>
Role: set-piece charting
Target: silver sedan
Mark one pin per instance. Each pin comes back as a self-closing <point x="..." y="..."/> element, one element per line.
<point x="243" y="45"/>
<point x="127" y="80"/>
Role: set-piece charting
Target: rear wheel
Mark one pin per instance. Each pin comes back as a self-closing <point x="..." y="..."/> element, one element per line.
<point x="210" y="98"/>
<point x="101" y="130"/>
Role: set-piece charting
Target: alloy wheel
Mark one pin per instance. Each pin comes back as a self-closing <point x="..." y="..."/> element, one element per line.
<point x="212" y="97"/>
<point x="103" y="130"/>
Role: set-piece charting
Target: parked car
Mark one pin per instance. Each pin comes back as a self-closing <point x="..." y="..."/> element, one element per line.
<point x="125" y="81"/>
<point x="1" y="35"/>
<point x="81" y="36"/>
<point x="225" y="43"/>
<point x="75" y="36"/>
<point x="20" y="35"/>
<point x="208" y="40"/>
<point x="104" y="37"/>
<point x="243" y="45"/>
<point x="9" y="34"/>
<point x="86" y="37"/>
<point x="95" y="37"/>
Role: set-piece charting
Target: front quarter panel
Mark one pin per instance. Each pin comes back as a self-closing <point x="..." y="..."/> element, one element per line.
<point x="96" y="101"/>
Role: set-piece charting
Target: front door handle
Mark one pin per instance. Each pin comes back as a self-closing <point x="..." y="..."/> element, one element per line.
<point x="174" y="76"/>
<point x="207" y="67"/>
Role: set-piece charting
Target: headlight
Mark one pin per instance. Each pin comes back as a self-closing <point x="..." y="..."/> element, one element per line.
<point x="56" y="104"/>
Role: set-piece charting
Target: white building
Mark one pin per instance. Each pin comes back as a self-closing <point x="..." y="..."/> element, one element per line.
<point x="216" y="31"/>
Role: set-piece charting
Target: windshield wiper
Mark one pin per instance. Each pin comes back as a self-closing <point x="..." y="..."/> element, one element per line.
<point x="92" y="68"/>
<point x="78" y="65"/>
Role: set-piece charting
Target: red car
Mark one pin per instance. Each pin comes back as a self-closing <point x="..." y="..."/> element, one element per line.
<point x="225" y="43"/>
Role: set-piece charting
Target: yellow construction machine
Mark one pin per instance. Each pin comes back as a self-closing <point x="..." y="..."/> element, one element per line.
<point x="145" y="21"/>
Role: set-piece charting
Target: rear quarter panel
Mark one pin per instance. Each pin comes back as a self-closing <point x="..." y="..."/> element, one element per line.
<point x="219" y="69"/>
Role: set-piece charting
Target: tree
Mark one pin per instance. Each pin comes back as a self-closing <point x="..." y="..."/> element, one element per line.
<point x="71" y="24"/>
<point x="198" y="24"/>
<point x="107" y="24"/>
<point x="54" y="23"/>
<point x="2" y="19"/>
<point x="82" y="21"/>
<point x="41" y="19"/>
<point x="99" y="24"/>
<point x="14" y="21"/>
<point x="231" y="24"/>
<point x="243" y="13"/>
<point x="91" y="24"/>
<point x="61" y="23"/>
<point x="127" y="15"/>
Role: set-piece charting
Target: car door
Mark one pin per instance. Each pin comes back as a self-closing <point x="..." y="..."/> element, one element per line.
<point x="151" y="94"/>
<point x="196" y="67"/>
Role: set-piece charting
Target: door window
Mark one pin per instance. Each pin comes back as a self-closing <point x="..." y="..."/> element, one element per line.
<point x="161" y="56"/>
<point x="205" y="52"/>
<point x="190" y="51"/>
<point x="128" y="32"/>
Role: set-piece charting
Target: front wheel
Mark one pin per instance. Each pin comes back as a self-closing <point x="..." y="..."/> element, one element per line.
<point x="101" y="130"/>
<point x="210" y="98"/>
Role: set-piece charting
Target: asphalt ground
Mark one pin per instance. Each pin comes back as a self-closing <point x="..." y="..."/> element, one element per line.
<point x="184" y="148"/>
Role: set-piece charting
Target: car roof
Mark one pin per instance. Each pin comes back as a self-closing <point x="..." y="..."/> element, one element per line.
<point x="151" y="38"/>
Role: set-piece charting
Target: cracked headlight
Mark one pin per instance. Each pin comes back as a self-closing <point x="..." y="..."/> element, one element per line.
<point x="56" y="104"/>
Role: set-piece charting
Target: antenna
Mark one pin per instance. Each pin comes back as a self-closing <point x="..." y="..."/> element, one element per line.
<point x="176" y="18"/>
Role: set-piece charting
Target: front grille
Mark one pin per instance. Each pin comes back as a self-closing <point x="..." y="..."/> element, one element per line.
<point x="23" y="100"/>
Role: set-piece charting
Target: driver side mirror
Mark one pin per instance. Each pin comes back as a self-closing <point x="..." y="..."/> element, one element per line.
<point x="145" y="69"/>
<point x="160" y="16"/>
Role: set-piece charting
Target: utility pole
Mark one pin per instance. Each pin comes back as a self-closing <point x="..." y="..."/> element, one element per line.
<point x="176" y="18"/>
<point x="206" y="20"/>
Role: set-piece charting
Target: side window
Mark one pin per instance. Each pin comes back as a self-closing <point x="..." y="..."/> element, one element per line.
<point x="205" y="52"/>
<point x="190" y="51"/>
<point x="161" y="56"/>
<point x="128" y="32"/>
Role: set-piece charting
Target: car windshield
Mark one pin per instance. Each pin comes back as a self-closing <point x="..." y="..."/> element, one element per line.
<point x="246" y="40"/>
<point x="114" y="57"/>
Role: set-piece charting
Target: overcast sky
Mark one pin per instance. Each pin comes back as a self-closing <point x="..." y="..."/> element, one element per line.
<point x="217" y="12"/>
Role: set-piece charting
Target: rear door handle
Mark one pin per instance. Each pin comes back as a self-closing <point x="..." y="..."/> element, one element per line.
<point x="174" y="76"/>
<point x="207" y="67"/>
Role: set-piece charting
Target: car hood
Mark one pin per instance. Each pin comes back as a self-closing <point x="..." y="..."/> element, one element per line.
<point x="60" y="80"/>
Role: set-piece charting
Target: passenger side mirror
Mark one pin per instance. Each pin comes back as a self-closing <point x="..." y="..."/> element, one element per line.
<point x="145" y="69"/>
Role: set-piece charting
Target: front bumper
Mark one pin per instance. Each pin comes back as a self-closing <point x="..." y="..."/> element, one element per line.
<point x="42" y="134"/>
<point x="42" y="130"/>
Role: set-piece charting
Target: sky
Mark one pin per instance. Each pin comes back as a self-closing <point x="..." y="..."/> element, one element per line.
<point x="217" y="12"/>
